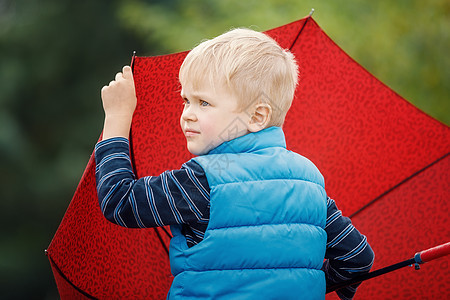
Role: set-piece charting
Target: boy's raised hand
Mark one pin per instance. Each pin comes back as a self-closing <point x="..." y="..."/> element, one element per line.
<point x="119" y="103"/>
<point x="119" y="97"/>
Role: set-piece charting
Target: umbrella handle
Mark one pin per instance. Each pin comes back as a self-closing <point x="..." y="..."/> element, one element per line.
<point x="432" y="253"/>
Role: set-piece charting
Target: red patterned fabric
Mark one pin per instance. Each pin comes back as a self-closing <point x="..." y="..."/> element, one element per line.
<point x="383" y="160"/>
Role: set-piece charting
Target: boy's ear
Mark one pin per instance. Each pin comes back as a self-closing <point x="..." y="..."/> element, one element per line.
<point x="260" y="118"/>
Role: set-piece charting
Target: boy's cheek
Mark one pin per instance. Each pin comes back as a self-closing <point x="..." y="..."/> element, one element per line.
<point x="181" y="123"/>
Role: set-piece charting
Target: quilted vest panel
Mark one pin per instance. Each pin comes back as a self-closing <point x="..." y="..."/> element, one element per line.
<point x="265" y="238"/>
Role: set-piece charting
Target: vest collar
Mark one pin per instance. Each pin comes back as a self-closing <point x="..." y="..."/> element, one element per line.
<point x="269" y="137"/>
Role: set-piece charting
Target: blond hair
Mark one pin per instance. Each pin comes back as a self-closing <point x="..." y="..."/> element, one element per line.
<point x="253" y="66"/>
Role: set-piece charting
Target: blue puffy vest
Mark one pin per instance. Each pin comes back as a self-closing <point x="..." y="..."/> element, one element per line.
<point x="265" y="238"/>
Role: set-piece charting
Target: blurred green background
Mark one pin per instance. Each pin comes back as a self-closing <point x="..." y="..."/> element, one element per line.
<point x="57" y="54"/>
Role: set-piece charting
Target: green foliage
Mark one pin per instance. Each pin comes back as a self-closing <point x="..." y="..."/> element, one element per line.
<point x="403" y="43"/>
<point x="57" y="54"/>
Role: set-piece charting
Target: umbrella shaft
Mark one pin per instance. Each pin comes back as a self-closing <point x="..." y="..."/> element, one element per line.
<point x="373" y="274"/>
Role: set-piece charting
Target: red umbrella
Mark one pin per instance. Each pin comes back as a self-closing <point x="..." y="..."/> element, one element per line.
<point x="384" y="161"/>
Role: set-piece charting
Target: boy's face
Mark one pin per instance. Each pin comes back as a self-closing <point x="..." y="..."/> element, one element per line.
<point x="211" y="117"/>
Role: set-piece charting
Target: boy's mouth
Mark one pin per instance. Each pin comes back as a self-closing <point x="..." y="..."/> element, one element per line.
<point x="190" y="132"/>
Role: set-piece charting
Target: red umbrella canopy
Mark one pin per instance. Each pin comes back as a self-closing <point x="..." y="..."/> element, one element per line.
<point x="384" y="161"/>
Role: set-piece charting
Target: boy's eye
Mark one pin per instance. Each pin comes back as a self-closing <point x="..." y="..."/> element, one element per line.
<point x="203" y="103"/>
<point x="185" y="101"/>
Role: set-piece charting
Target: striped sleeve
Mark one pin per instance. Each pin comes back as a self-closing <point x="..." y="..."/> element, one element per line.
<point x="174" y="197"/>
<point x="348" y="254"/>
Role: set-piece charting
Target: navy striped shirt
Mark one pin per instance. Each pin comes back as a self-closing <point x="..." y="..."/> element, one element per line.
<point x="182" y="197"/>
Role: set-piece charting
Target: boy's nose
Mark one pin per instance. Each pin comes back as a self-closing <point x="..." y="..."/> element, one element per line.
<point x="189" y="114"/>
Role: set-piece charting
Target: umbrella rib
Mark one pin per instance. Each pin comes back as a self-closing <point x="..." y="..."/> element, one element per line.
<point x="161" y="240"/>
<point x="165" y="231"/>
<point x="398" y="184"/>
<point x="300" y="31"/>
<point x="67" y="279"/>
<point x="133" y="164"/>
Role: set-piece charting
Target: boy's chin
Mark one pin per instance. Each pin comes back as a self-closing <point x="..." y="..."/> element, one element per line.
<point x="196" y="151"/>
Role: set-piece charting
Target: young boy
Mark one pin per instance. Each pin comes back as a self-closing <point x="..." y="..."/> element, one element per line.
<point x="250" y="219"/>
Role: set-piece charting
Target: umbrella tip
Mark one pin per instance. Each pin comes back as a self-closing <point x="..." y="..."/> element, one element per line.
<point x="132" y="60"/>
<point x="311" y="12"/>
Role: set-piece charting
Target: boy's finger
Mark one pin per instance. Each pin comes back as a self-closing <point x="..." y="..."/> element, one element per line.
<point x="118" y="76"/>
<point x="127" y="74"/>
